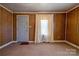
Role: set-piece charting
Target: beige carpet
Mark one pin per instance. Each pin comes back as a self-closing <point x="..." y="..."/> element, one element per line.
<point x="42" y="49"/>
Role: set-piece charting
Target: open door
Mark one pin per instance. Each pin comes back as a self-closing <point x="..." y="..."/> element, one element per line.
<point x="22" y="28"/>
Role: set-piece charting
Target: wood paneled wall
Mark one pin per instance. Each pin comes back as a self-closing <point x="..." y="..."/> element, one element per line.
<point x="6" y="26"/>
<point x="8" y="23"/>
<point x="59" y="26"/>
<point x="72" y="31"/>
<point x="31" y="23"/>
<point x="32" y="29"/>
<point x="0" y="26"/>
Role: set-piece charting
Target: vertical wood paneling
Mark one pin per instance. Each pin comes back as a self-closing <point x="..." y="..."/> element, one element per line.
<point x="59" y="26"/>
<point x="32" y="27"/>
<point x="10" y="27"/>
<point x="78" y="27"/>
<point x="73" y="26"/>
<point x="6" y="26"/>
<point x="14" y="26"/>
<point x="0" y="27"/>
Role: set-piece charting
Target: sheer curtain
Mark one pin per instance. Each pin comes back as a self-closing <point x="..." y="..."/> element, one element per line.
<point x="44" y="28"/>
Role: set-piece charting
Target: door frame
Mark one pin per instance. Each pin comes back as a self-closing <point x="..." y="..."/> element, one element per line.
<point x="16" y="25"/>
<point x="51" y="26"/>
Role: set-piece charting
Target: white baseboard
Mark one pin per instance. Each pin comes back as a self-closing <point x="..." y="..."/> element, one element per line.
<point x="31" y="42"/>
<point x="6" y="44"/>
<point x="28" y="41"/>
<point x="76" y="46"/>
<point x="59" y="41"/>
<point x="54" y="41"/>
<point x="14" y="41"/>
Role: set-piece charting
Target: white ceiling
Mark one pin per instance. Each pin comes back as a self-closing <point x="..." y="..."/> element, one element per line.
<point x="39" y="7"/>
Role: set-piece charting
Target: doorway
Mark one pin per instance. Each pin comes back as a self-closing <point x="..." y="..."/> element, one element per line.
<point x="22" y="28"/>
<point x="44" y="28"/>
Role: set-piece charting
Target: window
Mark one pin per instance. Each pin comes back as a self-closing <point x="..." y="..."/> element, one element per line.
<point x="44" y="27"/>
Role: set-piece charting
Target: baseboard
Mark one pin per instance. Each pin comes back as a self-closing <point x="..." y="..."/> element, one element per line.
<point x="59" y="41"/>
<point x="28" y="41"/>
<point x="6" y="44"/>
<point x="31" y="42"/>
<point x="14" y="41"/>
<point x="54" y="41"/>
<point x="76" y="46"/>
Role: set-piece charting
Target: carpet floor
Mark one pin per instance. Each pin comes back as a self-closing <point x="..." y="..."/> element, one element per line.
<point x="42" y="49"/>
